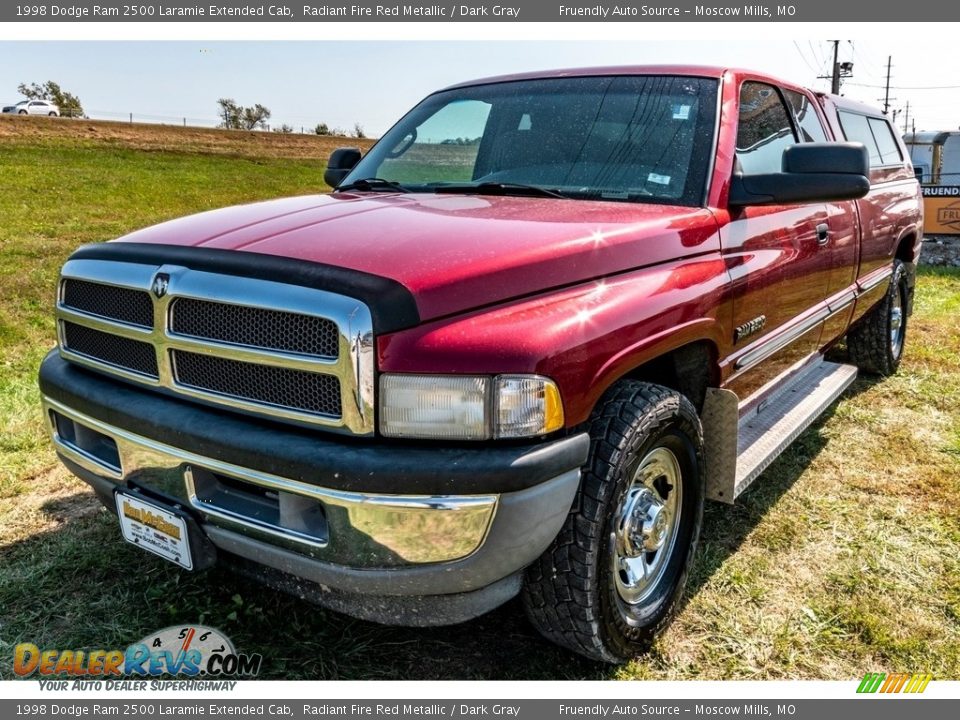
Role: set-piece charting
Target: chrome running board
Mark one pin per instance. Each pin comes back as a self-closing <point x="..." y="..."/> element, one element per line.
<point x="736" y="459"/>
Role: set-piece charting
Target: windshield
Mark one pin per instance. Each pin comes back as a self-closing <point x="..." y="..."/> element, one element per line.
<point x="642" y="138"/>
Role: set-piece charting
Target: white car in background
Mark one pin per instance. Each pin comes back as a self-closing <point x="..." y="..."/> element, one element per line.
<point x="33" y="107"/>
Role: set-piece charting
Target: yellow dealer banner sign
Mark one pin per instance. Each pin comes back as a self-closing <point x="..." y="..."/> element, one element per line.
<point x="941" y="210"/>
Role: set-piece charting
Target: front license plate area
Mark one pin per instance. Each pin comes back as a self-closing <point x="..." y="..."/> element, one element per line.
<point x="154" y="528"/>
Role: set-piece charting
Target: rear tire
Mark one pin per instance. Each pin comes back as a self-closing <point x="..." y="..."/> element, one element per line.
<point x="876" y="343"/>
<point x="53" y="114"/>
<point x="614" y="576"/>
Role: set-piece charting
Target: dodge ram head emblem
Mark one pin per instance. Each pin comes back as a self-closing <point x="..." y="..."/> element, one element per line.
<point x="160" y="284"/>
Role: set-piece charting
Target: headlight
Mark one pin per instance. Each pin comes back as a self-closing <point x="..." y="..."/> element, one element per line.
<point x="450" y="407"/>
<point x="459" y="407"/>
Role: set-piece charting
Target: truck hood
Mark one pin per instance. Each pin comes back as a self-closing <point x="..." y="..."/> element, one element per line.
<point x="453" y="252"/>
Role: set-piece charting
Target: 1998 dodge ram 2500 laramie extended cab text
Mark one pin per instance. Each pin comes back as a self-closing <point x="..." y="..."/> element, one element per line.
<point x="530" y="332"/>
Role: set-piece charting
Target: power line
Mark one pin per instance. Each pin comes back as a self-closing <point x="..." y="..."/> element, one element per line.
<point x="865" y="64"/>
<point x="819" y="58"/>
<point x="804" y="58"/>
<point x="823" y="56"/>
<point x="908" y="87"/>
<point x="870" y="58"/>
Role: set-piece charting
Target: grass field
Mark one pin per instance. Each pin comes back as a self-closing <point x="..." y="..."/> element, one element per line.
<point x="843" y="558"/>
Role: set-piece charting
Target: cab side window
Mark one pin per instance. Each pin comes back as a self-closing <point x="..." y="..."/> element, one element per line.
<point x="764" y="130"/>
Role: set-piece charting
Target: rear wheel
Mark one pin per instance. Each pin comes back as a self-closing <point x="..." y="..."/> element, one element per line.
<point x="876" y="343"/>
<point x="53" y="114"/>
<point x="615" y="575"/>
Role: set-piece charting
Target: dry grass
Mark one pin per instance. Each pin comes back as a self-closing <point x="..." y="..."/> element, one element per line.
<point x="843" y="558"/>
<point x="171" y="138"/>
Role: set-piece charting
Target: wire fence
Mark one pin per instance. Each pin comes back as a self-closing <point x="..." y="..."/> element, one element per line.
<point x="133" y="117"/>
<point x="210" y="122"/>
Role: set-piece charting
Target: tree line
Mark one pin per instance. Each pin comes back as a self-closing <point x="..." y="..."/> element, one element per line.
<point x="233" y="116"/>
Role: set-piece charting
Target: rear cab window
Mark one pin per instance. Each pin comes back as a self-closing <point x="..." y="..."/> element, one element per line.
<point x="887" y="144"/>
<point x="876" y="134"/>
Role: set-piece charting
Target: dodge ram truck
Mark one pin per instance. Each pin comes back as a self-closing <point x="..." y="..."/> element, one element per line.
<point x="530" y="332"/>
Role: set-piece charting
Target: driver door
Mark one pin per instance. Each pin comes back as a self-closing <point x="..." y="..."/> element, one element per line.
<point x="774" y="254"/>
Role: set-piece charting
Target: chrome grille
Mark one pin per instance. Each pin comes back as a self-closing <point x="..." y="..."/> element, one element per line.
<point x="282" y="351"/>
<point x="283" y="387"/>
<point x="133" y="307"/>
<point x="255" y="327"/>
<point x="132" y="355"/>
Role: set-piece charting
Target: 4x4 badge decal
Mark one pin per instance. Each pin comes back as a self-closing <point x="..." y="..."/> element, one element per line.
<point x="749" y="328"/>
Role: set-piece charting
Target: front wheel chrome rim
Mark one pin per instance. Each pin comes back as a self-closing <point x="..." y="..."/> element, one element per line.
<point x="896" y="322"/>
<point x="646" y="524"/>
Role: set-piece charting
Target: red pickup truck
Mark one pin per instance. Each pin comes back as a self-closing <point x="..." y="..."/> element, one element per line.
<point x="528" y="335"/>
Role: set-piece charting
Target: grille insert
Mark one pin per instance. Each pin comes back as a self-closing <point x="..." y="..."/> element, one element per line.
<point x="255" y="327"/>
<point x="248" y="344"/>
<point x="133" y="307"/>
<point x="283" y="387"/>
<point x="133" y="355"/>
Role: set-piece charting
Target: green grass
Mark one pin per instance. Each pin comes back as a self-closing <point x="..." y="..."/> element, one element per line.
<point x="842" y="559"/>
<point x="58" y="196"/>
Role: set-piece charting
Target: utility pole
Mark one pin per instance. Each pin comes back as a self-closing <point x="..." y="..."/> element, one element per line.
<point x="906" y="119"/>
<point x="835" y="78"/>
<point x="840" y="70"/>
<point x="886" y="94"/>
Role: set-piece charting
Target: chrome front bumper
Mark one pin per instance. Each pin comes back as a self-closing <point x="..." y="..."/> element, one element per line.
<point x="407" y="533"/>
<point x="352" y="529"/>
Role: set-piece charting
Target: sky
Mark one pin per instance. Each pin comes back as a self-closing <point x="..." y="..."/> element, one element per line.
<point x="374" y="83"/>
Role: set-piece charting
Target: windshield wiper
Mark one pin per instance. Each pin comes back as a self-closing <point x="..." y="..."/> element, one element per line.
<point x="497" y="188"/>
<point x="373" y="185"/>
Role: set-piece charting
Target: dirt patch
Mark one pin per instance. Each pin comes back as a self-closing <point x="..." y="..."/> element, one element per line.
<point x="55" y="498"/>
<point x="72" y="507"/>
<point x="172" y="138"/>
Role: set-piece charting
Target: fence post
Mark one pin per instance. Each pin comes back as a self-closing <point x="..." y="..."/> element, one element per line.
<point x="131" y="118"/>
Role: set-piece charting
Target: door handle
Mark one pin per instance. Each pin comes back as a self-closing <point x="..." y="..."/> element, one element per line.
<point x="823" y="233"/>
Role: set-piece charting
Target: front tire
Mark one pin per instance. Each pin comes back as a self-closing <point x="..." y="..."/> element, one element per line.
<point x="876" y="343"/>
<point x="614" y="576"/>
<point x="22" y="112"/>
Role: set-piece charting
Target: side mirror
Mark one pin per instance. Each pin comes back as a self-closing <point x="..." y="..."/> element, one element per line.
<point x="341" y="162"/>
<point x="812" y="172"/>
